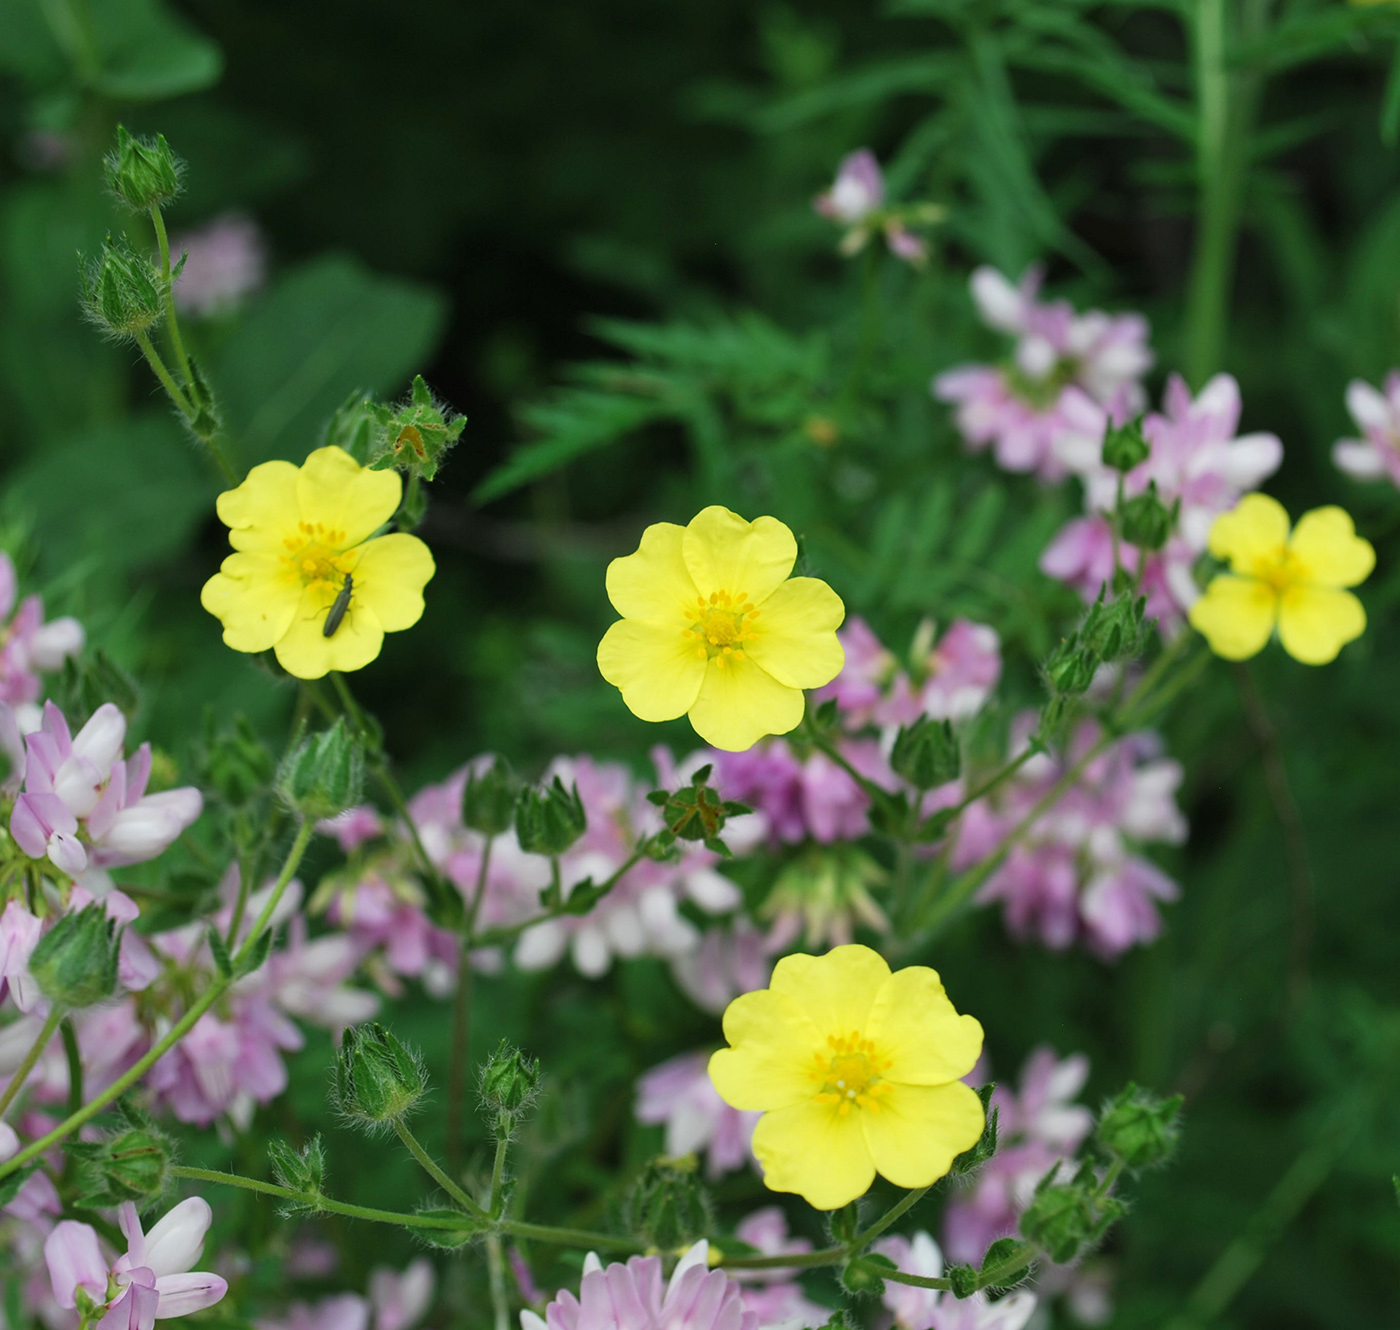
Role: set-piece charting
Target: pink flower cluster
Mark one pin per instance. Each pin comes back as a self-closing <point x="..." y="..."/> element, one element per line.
<point x="29" y="647"/>
<point x="856" y="200"/>
<point x="679" y="1095"/>
<point x="1376" y="456"/>
<point x="223" y="262"/>
<point x="774" y="1293"/>
<point x="82" y="805"/>
<point x="1073" y="876"/>
<point x="916" y="1308"/>
<point x="1196" y="460"/>
<point x="1020" y="408"/>
<point x="153" y="1279"/>
<point x="395" y="1302"/>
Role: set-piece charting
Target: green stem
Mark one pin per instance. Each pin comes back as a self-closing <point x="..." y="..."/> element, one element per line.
<point x="498" y="1178"/>
<point x="899" y="1277"/>
<point x="574" y="1237"/>
<point x="171" y="387"/>
<point x="435" y="1171"/>
<point x="821" y="741"/>
<point x="313" y="1199"/>
<point x="36" y="1050"/>
<point x="182" y="1027"/>
<point x="867" y="1235"/>
<point x="1000" y="1274"/>
<point x="172" y="322"/>
<point x="496" y="1270"/>
<point x="75" y="1064"/>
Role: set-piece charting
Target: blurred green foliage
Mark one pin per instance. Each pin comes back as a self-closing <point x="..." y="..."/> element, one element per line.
<point x="590" y="227"/>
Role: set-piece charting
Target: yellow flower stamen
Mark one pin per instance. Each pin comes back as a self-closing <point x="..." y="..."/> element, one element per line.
<point x="850" y="1075"/>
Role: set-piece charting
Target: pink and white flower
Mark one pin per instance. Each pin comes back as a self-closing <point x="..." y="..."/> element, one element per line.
<point x="856" y="200"/>
<point x="679" y="1095"/>
<point x="1376" y="455"/>
<point x="224" y="262"/>
<point x="29" y="647"/>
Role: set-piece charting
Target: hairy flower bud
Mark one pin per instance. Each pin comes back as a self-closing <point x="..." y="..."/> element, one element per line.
<point x="1147" y="521"/>
<point x="1139" y="1128"/>
<point x="301" y="1170"/>
<point x="488" y="799"/>
<point x="1064" y="1218"/>
<point x="235" y="764"/>
<point x="129" y="1167"/>
<point x="415" y="435"/>
<point x="75" y="962"/>
<point x="122" y="292"/>
<point x="926" y="753"/>
<point x="1070" y="668"/>
<point x="377" y="1079"/>
<point x="696" y="812"/>
<point x="509" y="1078"/>
<point x="323" y="774"/>
<point x="667" y="1207"/>
<point x="1125" y="446"/>
<point x="548" y="821"/>
<point x="143" y="173"/>
<point x="1113" y="630"/>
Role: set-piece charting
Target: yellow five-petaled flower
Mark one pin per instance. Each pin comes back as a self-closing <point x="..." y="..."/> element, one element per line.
<point x="713" y="626"/>
<point x="298" y="533"/>
<point x="857" y="1071"/>
<point x="1293" y="581"/>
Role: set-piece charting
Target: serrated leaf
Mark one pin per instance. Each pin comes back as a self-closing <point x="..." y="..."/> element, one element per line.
<point x="219" y="950"/>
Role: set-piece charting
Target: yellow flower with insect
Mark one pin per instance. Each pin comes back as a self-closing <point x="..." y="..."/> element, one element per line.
<point x="714" y="627"/>
<point x="1293" y="581"/>
<point x="857" y="1070"/>
<point x="309" y="577"/>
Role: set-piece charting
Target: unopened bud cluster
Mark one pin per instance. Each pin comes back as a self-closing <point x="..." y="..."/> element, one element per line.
<point x="377" y="1079"/>
<point x="1139" y="1128"/>
<point x="926" y="753"/>
<point x="123" y="292"/>
<point x="1111" y="631"/>
<point x="1146" y="521"/>
<point x="143" y="173"/>
<point x="550" y="820"/>
<point x="667" y="1206"/>
<point x="324" y="773"/>
<point x="489" y="798"/>
<point x="75" y="962"/>
<point x="132" y="1166"/>
<point x="1066" y="1218"/>
<point x="509" y="1084"/>
<point x="1125" y="446"/>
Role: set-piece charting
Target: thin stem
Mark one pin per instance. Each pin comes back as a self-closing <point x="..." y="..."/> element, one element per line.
<point x="1015" y="1262"/>
<point x="435" y="1171"/>
<point x="36" y="1050"/>
<point x="461" y="1015"/>
<point x="867" y="1235"/>
<point x="313" y="1199"/>
<point x="798" y="1260"/>
<point x="498" y="1177"/>
<point x="899" y="1277"/>
<point x="171" y="387"/>
<point x="496" y="1269"/>
<point x="988" y="785"/>
<point x="172" y="322"/>
<point x="182" y="1027"/>
<point x="835" y="754"/>
<point x="577" y="1237"/>
<point x="75" y="1064"/>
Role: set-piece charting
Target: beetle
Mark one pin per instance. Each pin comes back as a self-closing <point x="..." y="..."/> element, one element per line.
<point x="337" y="611"/>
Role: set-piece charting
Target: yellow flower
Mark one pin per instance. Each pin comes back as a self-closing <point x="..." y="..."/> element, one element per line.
<point x="1292" y="581"/>
<point x="856" y="1071"/>
<point x="713" y="625"/>
<point x="299" y="533"/>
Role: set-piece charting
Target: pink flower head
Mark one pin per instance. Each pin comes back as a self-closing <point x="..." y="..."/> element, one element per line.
<point x="19" y="935"/>
<point x="1019" y="409"/>
<point x="1043" y="1110"/>
<point x="859" y="189"/>
<point x="634" y="1296"/>
<point x="1196" y="461"/>
<point x="353" y="827"/>
<point x="773" y="1293"/>
<point x="1376" y="455"/>
<point x="729" y="961"/>
<point x="400" y="1301"/>
<point x="224" y="262"/>
<point x="916" y="1308"/>
<point x="343" y="1311"/>
<point x="29" y="647"/>
<point x="1073" y="877"/>
<point x="680" y="1095"/>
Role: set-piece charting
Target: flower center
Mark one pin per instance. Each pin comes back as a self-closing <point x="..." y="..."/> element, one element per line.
<point x="1280" y="570"/>
<point x="720" y="625"/>
<point x="849" y="1074"/>
<point x="315" y="554"/>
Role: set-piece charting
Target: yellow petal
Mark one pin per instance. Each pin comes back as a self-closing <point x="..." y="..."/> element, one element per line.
<point x="1327" y="551"/>
<point x="773" y="1053"/>
<point x="308" y="653"/>
<point x="1314" y="623"/>
<point x="913" y="1024"/>
<point x="653" y="585"/>
<point x="739" y="703"/>
<point x="815" y="1151"/>
<point x="918" y="1130"/>
<point x="334" y="490"/>
<point x="836" y="991"/>
<point x="795" y="634"/>
<point x="253" y="598"/>
<point x="1236" y="616"/>
<point x="262" y="511"/>
<point x="390" y="573"/>
<point x="1252" y="535"/>
<point x="659" y="671"/>
<point x="725" y="553"/>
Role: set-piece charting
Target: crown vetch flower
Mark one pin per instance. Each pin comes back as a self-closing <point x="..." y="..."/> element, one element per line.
<point x="1295" y="581"/>
<point x="1377" y="415"/>
<point x="298" y="533"/>
<point x="856" y="1070"/>
<point x="713" y="626"/>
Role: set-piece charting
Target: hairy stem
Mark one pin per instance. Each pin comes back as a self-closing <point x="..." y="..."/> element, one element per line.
<point x="36" y="1050"/>
<point x="435" y="1171"/>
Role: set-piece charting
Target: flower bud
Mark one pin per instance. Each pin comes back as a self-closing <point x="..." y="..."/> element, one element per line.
<point x="696" y="812"/>
<point x="415" y="435"/>
<point x="1147" y="522"/>
<point x="75" y="962"/>
<point x="301" y="1170"/>
<point x="926" y="753"/>
<point x="548" y="821"/>
<point x="121" y="290"/>
<point x="129" y="1167"/>
<point x="236" y="765"/>
<point x="1064" y="1218"/>
<point x="667" y="1207"/>
<point x="488" y="799"/>
<point x="377" y="1079"/>
<point x="143" y="173"/>
<point x="1070" y="669"/>
<point x="323" y="774"/>
<point x="510" y="1079"/>
<point x="354" y="427"/>
<point x="866" y="1274"/>
<point x="1125" y="446"/>
<point x="1114" y="630"/>
<point x="1139" y="1128"/>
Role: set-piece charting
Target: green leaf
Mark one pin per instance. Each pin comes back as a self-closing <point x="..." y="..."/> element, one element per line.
<point x="327" y="329"/>
<point x="147" y="52"/>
